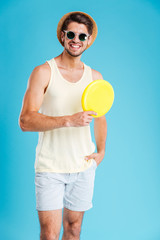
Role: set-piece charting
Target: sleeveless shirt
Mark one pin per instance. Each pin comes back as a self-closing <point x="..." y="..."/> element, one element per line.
<point x="63" y="149"/>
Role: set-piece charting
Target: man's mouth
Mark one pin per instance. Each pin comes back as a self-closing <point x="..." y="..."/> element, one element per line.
<point x="75" y="46"/>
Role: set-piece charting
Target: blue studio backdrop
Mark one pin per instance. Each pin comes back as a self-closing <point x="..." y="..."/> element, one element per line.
<point x="126" y="201"/>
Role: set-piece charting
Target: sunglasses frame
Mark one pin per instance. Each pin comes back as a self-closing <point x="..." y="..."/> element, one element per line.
<point x="76" y="34"/>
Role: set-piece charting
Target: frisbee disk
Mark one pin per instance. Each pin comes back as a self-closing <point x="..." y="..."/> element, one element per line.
<point x="98" y="96"/>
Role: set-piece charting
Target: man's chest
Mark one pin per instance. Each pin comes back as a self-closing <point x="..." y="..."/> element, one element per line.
<point x="72" y="76"/>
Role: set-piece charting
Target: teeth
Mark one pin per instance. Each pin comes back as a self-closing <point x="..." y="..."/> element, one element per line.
<point x="75" y="46"/>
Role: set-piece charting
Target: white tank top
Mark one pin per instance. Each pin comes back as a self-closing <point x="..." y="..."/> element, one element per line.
<point x="63" y="150"/>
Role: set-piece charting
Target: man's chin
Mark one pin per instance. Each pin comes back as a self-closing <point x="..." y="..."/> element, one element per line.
<point x="74" y="54"/>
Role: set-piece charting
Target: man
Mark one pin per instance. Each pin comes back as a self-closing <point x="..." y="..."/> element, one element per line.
<point x="64" y="177"/>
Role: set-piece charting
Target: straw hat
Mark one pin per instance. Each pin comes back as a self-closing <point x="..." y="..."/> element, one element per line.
<point x="59" y="27"/>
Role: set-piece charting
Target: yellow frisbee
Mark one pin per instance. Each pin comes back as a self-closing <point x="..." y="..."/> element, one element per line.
<point x="98" y="96"/>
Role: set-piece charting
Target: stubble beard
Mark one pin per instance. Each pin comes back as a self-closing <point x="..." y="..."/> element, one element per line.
<point x="73" y="54"/>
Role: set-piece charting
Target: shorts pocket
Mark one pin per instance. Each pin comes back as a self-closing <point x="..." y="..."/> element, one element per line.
<point x="95" y="163"/>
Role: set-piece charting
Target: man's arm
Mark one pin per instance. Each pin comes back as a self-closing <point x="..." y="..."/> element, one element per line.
<point x="100" y="123"/>
<point x="30" y="119"/>
<point x="100" y="132"/>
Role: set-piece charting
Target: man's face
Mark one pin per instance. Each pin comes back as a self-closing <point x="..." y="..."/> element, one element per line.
<point x="75" y="47"/>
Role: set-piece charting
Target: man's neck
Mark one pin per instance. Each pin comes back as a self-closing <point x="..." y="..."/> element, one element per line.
<point x="68" y="61"/>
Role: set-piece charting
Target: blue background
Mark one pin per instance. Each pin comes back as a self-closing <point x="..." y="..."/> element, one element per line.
<point x="127" y="53"/>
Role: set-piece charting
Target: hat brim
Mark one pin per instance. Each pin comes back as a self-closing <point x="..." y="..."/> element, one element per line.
<point x="94" y="31"/>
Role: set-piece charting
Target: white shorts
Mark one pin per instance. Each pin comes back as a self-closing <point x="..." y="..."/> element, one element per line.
<point x="71" y="190"/>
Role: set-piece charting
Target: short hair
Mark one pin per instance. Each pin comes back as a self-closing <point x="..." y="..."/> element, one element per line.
<point x="79" y="18"/>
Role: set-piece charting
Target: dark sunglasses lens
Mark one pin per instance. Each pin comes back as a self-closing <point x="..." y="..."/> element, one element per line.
<point x="70" y="35"/>
<point x="82" y="37"/>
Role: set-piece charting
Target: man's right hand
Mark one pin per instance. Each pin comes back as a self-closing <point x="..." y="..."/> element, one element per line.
<point x="80" y="119"/>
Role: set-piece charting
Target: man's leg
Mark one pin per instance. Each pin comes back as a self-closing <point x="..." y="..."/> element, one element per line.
<point x="78" y="197"/>
<point x="72" y="221"/>
<point x="50" y="223"/>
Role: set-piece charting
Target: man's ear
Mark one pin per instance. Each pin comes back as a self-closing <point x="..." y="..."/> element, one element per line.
<point x="62" y="36"/>
<point x="89" y="39"/>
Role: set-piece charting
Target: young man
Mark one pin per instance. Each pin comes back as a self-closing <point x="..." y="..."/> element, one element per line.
<point x="64" y="177"/>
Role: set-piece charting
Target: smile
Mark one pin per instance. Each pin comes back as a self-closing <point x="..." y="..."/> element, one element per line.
<point x="74" y="46"/>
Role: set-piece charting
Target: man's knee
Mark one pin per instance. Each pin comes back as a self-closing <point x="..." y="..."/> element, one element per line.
<point x="49" y="235"/>
<point x="72" y="229"/>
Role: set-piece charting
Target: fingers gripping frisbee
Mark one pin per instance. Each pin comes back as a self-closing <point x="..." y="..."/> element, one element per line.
<point x="98" y="96"/>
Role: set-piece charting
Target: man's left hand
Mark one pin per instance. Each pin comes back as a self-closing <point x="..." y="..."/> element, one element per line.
<point x="97" y="156"/>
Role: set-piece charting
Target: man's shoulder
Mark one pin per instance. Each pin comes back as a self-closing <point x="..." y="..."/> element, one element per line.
<point x="96" y="75"/>
<point x="42" y="69"/>
<point x="41" y="72"/>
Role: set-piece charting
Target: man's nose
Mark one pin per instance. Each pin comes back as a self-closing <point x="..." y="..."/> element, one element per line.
<point x="76" y="38"/>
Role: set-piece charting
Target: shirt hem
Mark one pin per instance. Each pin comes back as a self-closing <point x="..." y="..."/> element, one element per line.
<point x="63" y="171"/>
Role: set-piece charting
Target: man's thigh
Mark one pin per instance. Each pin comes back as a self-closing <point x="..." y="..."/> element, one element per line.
<point x="49" y="191"/>
<point x="50" y="223"/>
<point x="79" y="193"/>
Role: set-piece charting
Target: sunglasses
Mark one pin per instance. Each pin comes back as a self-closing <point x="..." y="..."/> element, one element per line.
<point x="71" y="35"/>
